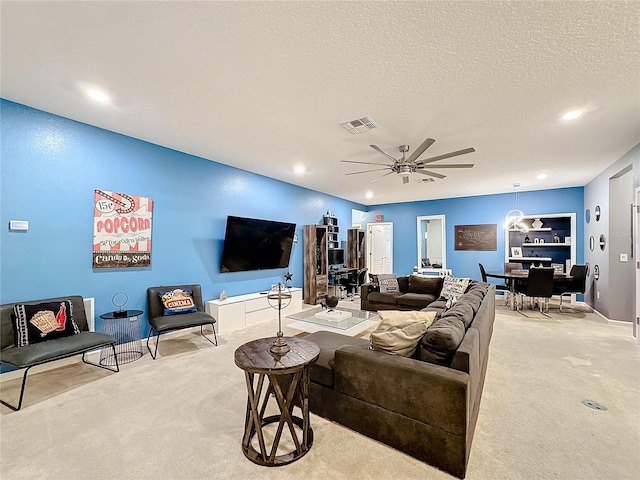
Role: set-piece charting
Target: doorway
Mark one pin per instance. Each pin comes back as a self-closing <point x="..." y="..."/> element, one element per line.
<point x="617" y="246"/>
<point x="380" y="247"/>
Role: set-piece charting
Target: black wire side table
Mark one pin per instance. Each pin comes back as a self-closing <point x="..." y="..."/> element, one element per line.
<point x="124" y="326"/>
<point x="287" y="378"/>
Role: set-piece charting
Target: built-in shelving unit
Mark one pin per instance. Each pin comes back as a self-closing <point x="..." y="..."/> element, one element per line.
<point x="315" y="263"/>
<point x="537" y="243"/>
<point x="356" y="248"/>
<point x="546" y="245"/>
<point x="333" y="230"/>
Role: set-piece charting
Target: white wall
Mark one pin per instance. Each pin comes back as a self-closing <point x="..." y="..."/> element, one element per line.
<point x="597" y="193"/>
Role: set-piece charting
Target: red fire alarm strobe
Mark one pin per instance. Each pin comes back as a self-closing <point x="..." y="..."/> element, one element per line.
<point x="378" y="218"/>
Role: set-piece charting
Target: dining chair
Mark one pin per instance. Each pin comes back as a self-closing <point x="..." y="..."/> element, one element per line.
<point x="577" y="283"/>
<point x="502" y="287"/>
<point x="539" y="285"/>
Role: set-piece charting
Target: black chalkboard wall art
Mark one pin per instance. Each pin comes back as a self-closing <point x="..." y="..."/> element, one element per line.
<point x="477" y="237"/>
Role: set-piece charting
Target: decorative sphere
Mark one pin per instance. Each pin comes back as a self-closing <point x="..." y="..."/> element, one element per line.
<point x="331" y="301"/>
<point x="279" y="296"/>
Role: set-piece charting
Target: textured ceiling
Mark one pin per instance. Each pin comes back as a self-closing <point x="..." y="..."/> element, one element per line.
<point x="264" y="86"/>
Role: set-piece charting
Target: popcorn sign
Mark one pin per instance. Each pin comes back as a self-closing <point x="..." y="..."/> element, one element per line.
<point x="121" y="230"/>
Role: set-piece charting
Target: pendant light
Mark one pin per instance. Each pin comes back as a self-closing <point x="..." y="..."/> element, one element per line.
<point x="513" y="218"/>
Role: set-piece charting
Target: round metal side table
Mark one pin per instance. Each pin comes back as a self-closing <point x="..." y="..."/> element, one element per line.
<point x="124" y="326"/>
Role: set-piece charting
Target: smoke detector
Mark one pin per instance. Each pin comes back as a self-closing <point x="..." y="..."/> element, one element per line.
<point x="359" y="125"/>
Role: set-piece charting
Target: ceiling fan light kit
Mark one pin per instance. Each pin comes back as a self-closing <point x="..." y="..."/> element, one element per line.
<point x="405" y="167"/>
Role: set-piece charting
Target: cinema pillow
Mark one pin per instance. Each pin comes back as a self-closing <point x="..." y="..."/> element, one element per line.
<point x="178" y="301"/>
<point x="42" y="321"/>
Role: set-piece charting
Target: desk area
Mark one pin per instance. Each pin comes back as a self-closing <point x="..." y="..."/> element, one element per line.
<point x="337" y="275"/>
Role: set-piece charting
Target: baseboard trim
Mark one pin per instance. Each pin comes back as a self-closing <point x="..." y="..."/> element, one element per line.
<point x="609" y="320"/>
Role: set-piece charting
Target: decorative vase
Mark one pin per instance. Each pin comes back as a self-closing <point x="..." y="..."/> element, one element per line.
<point x="536" y="223"/>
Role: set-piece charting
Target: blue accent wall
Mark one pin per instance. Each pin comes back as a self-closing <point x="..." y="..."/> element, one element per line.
<point x="50" y="169"/>
<point x="486" y="209"/>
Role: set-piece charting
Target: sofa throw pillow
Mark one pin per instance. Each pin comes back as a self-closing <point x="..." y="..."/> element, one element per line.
<point x="373" y="279"/>
<point x="451" y="301"/>
<point x="400" y="332"/>
<point x="43" y="321"/>
<point x="388" y="283"/>
<point x="454" y="286"/>
<point x="178" y="301"/>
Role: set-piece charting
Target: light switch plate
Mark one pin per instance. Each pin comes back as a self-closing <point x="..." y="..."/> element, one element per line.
<point x="624" y="257"/>
<point x="18" y="225"/>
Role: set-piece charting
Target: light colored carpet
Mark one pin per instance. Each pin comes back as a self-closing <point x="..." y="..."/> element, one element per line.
<point x="181" y="416"/>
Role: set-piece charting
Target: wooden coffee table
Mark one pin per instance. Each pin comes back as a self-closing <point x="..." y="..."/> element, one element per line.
<point x="288" y="380"/>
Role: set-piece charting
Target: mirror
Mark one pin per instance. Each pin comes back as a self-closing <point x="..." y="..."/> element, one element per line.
<point x="432" y="244"/>
<point x="597" y="213"/>
<point x="603" y="241"/>
<point x="587" y="215"/>
<point x="592" y="243"/>
<point x="596" y="272"/>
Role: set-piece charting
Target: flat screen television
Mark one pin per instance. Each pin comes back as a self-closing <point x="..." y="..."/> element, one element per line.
<point x="254" y="244"/>
<point x="336" y="256"/>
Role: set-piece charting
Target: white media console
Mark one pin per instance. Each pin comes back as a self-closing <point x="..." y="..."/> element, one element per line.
<point x="240" y="311"/>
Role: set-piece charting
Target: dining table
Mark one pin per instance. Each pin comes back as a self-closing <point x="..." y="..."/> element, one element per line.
<point x="514" y="277"/>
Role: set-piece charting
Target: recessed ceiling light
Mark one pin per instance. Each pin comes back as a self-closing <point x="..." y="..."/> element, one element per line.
<point x="542" y="176"/>
<point x="98" y="95"/>
<point x="369" y="195"/>
<point x="299" y="169"/>
<point x="572" y="115"/>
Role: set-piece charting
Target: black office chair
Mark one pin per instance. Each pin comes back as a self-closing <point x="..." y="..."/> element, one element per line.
<point x="577" y="284"/>
<point x="354" y="285"/>
<point x="502" y="287"/>
<point x="539" y="285"/>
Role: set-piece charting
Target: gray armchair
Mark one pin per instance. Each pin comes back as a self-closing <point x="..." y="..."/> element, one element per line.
<point x="161" y="323"/>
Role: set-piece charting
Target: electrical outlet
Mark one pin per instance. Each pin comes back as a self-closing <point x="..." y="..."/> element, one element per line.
<point x="624" y="257"/>
<point x="598" y="294"/>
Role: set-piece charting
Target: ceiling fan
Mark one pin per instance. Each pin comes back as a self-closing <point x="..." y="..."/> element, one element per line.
<point x="406" y="166"/>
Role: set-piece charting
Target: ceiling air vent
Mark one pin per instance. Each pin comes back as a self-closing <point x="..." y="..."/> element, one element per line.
<point x="426" y="180"/>
<point x="359" y="125"/>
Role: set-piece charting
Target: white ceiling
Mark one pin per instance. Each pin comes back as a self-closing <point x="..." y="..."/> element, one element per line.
<point x="264" y="86"/>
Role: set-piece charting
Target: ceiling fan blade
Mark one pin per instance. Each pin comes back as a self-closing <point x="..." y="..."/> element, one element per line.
<point x="365" y="163"/>
<point x="366" y="171"/>
<point x="378" y="178"/>
<point x="453" y="165"/>
<point x="377" y="148"/>
<point x="420" y="150"/>
<point x="430" y="174"/>
<point x="446" y="155"/>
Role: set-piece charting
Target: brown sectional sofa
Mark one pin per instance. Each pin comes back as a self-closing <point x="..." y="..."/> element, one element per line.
<point x="427" y="405"/>
<point x="416" y="292"/>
